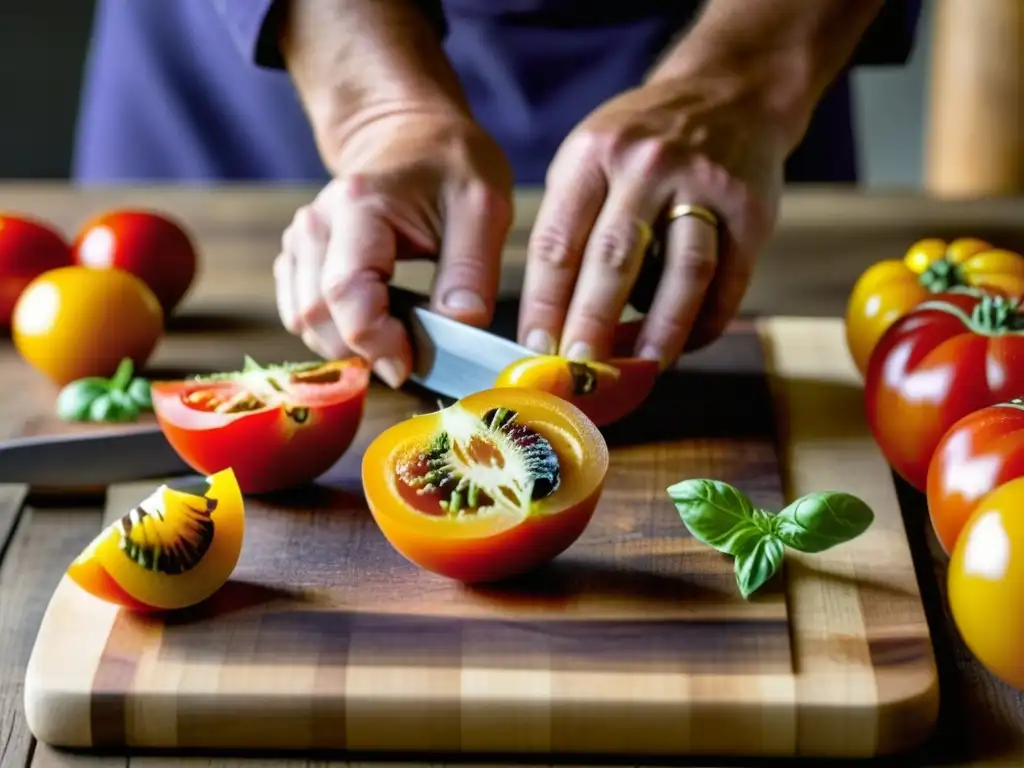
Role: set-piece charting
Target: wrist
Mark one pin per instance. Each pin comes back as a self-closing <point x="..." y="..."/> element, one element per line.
<point x="355" y="60"/>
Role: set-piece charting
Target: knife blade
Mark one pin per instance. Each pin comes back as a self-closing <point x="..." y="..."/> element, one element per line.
<point x="89" y="460"/>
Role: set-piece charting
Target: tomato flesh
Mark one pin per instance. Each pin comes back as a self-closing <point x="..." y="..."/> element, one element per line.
<point x="481" y="505"/>
<point x="276" y="427"/>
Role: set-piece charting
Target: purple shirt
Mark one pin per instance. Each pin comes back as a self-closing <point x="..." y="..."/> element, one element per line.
<point x="193" y="90"/>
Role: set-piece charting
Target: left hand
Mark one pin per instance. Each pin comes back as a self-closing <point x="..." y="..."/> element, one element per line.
<point x="704" y="139"/>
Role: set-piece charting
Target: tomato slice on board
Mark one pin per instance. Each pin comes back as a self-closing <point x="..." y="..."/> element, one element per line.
<point x="605" y="392"/>
<point x="493" y="486"/>
<point x="174" y="550"/>
<point x="276" y="426"/>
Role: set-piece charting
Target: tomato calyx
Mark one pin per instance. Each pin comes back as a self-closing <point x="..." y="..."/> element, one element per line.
<point x="258" y="387"/>
<point x="941" y="275"/>
<point x="991" y="316"/>
<point x="475" y="466"/>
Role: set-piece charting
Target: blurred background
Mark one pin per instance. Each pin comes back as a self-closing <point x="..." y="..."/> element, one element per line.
<point x="952" y="121"/>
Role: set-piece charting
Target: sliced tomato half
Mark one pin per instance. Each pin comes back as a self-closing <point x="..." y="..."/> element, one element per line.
<point x="493" y="486"/>
<point x="276" y="426"/>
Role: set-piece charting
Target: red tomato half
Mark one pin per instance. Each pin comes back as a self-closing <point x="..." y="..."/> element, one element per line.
<point x="152" y="247"/>
<point x="28" y="248"/>
<point x="982" y="451"/>
<point x="946" y="358"/>
<point x="275" y="426"/>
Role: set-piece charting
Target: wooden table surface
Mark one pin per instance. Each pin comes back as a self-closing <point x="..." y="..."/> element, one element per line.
<point x="826" y="237"/>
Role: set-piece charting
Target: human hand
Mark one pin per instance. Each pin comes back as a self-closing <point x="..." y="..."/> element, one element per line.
<point x="415" y="184"/>
<point x="700" y="139"/>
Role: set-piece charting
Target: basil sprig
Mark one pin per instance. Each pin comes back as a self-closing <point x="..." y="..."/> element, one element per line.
<point x="119" y="399"/>
<point x="723" y="517"/>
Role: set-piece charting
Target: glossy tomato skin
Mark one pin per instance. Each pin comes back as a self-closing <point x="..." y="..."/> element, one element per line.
<point x="979" y="453"/>
<point x="271" y="449"/>
<point x="888" y="289"/>
<point x="151" y="246"/>
<point x="605" y="392"/>
<point x="74" y="322"/>
<point x="28" y="248"/>
<point x="930" y="369"/>
<point x="491" y="548"/>
<point x="985" y="582"/>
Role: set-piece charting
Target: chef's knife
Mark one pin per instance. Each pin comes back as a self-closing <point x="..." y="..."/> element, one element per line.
<point x="451" y="359"/>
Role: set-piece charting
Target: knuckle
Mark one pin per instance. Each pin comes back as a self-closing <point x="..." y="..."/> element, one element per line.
<point x="649" y="156"/>
<point x="614" y="246"/>
<point x="696" y="264"/>
<point x="552" y="246"/>
<point x="354" y="187"/>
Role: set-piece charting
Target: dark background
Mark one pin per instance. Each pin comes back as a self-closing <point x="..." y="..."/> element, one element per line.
<point x="43" y="45"/>
<point x="42" y="50"/>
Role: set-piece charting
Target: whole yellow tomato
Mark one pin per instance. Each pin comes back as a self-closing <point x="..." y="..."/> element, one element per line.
<point x="74" y="322"/>
<point x="888" y="289"/>
<point x="986" y="582"/>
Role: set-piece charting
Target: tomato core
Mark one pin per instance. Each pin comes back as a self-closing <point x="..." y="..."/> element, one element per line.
<point x="941" y="275"/>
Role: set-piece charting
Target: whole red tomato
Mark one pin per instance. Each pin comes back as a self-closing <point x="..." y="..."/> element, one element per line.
<point x="151" y="246"/>
<point x="948" y="357"/>
<point x="982" y="451"/>
<point x="27" y="249"/>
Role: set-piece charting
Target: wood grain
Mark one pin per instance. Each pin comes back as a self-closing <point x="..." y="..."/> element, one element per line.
<point x="634" y="640"/>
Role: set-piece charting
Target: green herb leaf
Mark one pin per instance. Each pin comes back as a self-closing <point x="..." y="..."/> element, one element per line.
<point x="819" y="521"/>
<point x="114" y="406"/>
<point x="123" y="375"/>
<point x="74" y="399"/>
<point x="717" y="515"/>
<point x="139" y="392"/>
<point x="757" y="565"/>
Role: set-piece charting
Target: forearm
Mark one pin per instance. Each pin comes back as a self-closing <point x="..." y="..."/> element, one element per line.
<point x="353" y="59"/>
<point x="788" y="51"/>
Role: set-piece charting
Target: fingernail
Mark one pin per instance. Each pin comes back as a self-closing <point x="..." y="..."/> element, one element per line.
<point x="390" y="370"/>
<point x="651" y="352"/>
<point x="540" y="341"/>
<point x="463" y="300"/>
<point x="579" y="350"/>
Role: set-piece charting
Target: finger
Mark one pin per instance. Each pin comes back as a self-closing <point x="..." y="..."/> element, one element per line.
<point x="691" y="259"/>
<point x="469" y="267"/>
<point x="359" y="264"/>
<point x="611" y="261"/>
<point x="724" y="295"/>
<point x="317" y="328"/>
<point x="284" y="289"/>
<point x="572" y="201"/>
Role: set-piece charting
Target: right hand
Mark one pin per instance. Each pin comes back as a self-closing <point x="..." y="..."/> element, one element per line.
<point x="408" y="185"/>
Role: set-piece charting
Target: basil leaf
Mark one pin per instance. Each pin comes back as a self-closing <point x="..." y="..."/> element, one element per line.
<point x="819" y="521"/>
<point x="75" y="399"/>
<point x="717" y="514"/>
<point x="757" y="565"/>
<point x="139" y="392"/>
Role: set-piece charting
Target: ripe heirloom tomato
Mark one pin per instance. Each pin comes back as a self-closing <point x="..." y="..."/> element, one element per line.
<point x="985" y="582"/>
<point x="74" y="322"/>
<point x="944" y="359"/>
<point x="276" y="426"/>
<point x="493" y="486"/>
<point x="979" y="453"/>
<point x="151" y="246"/>
<point x="605" y="392"/>
<point x="27" y="249"/>
<point x="172" y="551"/>
<point x="889" y="289"/>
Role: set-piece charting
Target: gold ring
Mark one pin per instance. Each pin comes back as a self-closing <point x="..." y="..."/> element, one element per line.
<point x="687" y="209"/>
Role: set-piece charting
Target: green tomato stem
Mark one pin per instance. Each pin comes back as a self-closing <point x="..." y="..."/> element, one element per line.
<point x="123" y="375"/>
<point x="941" y="275"/>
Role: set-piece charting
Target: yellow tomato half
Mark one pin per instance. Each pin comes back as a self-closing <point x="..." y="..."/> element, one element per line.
<point x="889" y="289"/>
<point x="986" y="582"/>
<point x="74" y="322"/>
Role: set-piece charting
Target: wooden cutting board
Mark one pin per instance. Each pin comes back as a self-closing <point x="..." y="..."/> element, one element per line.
<point x="633" y="641"/>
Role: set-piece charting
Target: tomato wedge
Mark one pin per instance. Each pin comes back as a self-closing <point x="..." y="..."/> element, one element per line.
<point x="172" y="551"/>
<point x="493" y="486"/>
<point x="276" y="426"/>
<point x="605" y="392"/>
